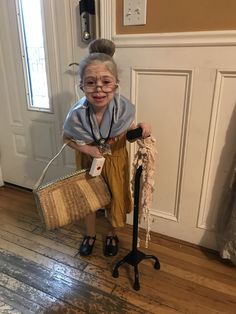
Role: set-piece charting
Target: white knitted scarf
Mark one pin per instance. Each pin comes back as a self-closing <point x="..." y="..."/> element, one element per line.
<point x="145" y="157"/>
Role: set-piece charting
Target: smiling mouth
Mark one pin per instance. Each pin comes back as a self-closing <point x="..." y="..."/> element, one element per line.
<point x="99" y="97"/>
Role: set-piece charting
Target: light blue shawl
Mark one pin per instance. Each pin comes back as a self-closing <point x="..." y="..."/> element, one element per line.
<point x="77" y="126"/>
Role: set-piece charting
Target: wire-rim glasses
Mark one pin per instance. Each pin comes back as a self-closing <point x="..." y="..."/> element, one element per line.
<point x="106" y="85"/>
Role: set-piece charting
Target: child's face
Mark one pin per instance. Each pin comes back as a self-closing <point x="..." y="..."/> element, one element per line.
<point x="99" y="85"/>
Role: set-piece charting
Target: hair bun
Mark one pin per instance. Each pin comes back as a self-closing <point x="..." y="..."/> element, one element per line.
<point x="102" y="46"/>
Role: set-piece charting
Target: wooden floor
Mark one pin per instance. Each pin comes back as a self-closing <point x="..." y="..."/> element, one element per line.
<point x="40" y="273"/>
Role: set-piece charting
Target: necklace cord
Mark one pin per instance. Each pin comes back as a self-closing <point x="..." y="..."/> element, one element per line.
<point x="102" y="140"/>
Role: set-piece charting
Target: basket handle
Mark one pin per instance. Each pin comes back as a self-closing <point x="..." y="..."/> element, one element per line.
<point x="38" y="183"/>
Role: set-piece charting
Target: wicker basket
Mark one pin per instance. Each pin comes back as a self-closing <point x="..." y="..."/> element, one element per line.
<point x="68" y="199"/>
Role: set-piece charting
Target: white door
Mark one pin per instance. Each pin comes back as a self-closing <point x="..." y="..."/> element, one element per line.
<point x="29" y="138"/>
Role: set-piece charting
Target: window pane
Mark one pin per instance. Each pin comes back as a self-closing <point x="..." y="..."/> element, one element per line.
<point x="34" y="54"/>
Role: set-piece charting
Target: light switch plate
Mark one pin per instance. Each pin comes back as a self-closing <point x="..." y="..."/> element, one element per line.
<point x="134" y="12"/>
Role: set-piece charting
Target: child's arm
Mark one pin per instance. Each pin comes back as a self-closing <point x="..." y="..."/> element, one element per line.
<point x="90" y="150"/>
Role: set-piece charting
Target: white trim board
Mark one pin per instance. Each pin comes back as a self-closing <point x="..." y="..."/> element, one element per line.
<point x="187" y="39"/>
<point x="1" y="179"/>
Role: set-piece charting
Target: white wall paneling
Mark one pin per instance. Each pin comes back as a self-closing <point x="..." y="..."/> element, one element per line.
<point x="184" y="85"/>
<point x="172" y="89"/>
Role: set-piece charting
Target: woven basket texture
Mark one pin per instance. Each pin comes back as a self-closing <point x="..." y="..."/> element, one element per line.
<point x="71" y="198"/>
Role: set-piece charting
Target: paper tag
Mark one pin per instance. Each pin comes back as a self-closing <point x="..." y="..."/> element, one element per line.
<point x="96" y="167"/>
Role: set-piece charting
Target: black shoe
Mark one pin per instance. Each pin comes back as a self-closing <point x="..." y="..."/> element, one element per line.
<point x="86" y="246"/>
<point x="111" y="246"/>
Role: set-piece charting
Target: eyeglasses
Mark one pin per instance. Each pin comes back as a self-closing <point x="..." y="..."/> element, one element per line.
<point x="106" y="85"/>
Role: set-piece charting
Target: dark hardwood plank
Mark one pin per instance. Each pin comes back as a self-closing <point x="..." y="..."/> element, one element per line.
<point x="69" y="290"/>
<point x="19" y="302"/>
<point x="6" y="308"/>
